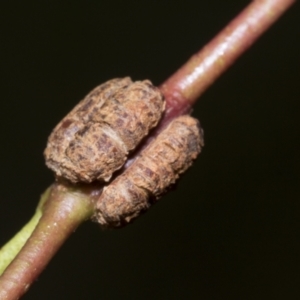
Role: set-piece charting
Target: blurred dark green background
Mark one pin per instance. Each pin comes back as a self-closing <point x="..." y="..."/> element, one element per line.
<point x="231" y="229"/>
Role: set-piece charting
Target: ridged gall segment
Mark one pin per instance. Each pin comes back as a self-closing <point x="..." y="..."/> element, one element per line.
<point x="132" y="111"/>
<point x="150" y="175"/>
<point x="94" y="139"/>
<point x="96" y="150"/>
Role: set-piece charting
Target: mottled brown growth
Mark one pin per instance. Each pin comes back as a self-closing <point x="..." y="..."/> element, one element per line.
<point x="94" y="139"/>
<point x="150" y="175"/>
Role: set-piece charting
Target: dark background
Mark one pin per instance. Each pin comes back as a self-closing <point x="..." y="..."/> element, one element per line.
<point x="231" y="229"/>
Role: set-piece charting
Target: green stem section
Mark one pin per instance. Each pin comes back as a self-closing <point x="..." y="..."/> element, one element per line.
<point x="67" y="206"/>
<point x="13" y="246"/>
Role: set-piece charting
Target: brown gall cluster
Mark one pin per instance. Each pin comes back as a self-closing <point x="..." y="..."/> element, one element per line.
<point x="96" y="137"/>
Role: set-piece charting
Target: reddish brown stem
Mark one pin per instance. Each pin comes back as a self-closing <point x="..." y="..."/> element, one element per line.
<point x="185" y="86"/>
<point x="67" y="207"/>
<point x="64" y="210"/>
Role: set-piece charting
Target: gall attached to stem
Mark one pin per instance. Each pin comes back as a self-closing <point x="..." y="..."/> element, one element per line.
<point x="95" y="138"/>
<point x="151" y="174"/>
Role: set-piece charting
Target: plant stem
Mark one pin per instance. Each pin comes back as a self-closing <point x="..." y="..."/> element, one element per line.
<point x="69" y="205"/>
<point x="183" y="88"/>
<point x="66" y="207"/>
<point x="13" y="246"/>
<point x="201" y="70"/>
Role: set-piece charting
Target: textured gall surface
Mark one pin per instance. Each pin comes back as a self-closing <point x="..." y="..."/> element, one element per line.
<point x="151" y="174"/>
<point x="94" y="139"/>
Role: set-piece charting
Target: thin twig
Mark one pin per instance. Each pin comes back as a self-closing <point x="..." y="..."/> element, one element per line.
<point x="201" y="70"/>
<point x="68" y="206"/>
<point x="13" y="246"/>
